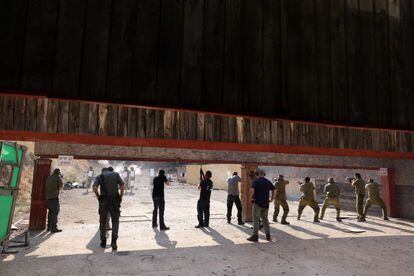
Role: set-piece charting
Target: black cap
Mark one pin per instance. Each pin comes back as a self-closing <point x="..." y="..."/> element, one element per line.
<point x="161" y="172"/>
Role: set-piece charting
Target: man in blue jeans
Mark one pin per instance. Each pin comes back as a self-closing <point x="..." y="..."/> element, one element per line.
<point x="259" y="196"/>
<point x="158" y="199"/>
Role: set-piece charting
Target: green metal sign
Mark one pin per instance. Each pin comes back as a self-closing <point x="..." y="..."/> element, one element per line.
<point x="11" y="156"/>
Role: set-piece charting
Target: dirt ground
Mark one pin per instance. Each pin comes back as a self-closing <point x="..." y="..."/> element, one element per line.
<point x="303" y="248"/>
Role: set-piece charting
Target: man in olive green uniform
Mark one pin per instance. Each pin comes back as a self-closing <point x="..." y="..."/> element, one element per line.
<point x="308" y="198"/>
<point x="332" y="192"/>
<point x="280" y="199"/>
<point x="53" y="186"/>
<point x="374" y="198"/>
<point x="359" y="185"/>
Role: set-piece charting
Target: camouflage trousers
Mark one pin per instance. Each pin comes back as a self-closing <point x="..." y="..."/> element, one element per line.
<point x="312" y="203"/>
<point x="375" y="201"/>
<point x="281" y="202"/>
<point x="334" y="201"/>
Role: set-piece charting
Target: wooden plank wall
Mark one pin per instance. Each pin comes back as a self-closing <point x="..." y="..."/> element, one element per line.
<point x="81" y="118"/>
<point x="340" y="61"/>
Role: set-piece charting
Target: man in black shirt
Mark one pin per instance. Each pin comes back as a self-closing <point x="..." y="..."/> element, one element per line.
<point x="158" y="199"/>
<point x="203" y="204"/>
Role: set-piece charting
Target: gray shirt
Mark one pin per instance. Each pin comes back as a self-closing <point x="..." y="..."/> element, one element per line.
<point x="233" y="185"/>
<point x="109" y="183"/>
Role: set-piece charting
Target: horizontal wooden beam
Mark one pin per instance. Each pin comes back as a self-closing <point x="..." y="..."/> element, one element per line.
<point x="40" y="95"/>
<point x="201" y="145"/>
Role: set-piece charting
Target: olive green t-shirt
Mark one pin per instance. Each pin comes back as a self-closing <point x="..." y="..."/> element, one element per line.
<point x="307" y="191"/>
<point x="359" y="185"/>
<point x="280" y="186"/>
<point x="332" y="190"/>
<point x="53" y="186"/>
<point x="372" y="190"/>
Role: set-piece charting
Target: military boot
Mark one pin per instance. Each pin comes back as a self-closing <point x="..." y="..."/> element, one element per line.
<point x="268" y="238"/>
<point x="299" y="215"/>
<point x="315" y="219"/>
<point x="338" y="217"/>
<point x="253" y="238"/>
<point x="103" y="243"/>
<point x="284" y="219"/>
<point x="114" y="245"/>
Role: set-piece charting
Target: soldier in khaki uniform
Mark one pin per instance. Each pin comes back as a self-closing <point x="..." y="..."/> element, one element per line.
<point x="280" y="199"/>
<point x="308" y="198"/>
<point x="359" y="185"/>
<point x="374" y="198"/>
<point x="332" y="192"/>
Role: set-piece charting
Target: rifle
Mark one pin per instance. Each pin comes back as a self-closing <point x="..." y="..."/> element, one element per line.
<point x="202" y="177"/>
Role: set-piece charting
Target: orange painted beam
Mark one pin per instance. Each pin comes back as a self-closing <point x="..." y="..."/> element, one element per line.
<point x="190" y="144"/>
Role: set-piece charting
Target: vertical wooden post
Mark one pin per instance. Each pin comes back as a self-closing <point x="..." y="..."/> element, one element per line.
<point x="38" y="210"/>
<point x="245" y="190"/>
<point x="388" y="190"/>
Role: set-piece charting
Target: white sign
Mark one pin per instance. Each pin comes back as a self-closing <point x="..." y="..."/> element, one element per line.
<point x="383" y="172"/>
<point x="65" y="161"/>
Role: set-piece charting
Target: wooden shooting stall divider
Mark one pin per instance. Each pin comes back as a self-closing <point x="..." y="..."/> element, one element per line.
<point x="38" y="211"/>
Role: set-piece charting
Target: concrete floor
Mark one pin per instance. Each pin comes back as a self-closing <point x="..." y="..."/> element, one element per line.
<point x="303" y="248"/>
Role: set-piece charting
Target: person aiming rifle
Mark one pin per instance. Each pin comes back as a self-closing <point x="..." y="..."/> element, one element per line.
<point x="203" y="204"/>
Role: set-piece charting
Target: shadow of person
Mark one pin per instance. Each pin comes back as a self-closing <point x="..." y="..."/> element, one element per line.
<point x="217" y="237"/>
<point x="387" y="224"/>
<point x="307" y="231"/>
<point x="163" y="239"/>
<point x="94" y="243"/>
<point x="363" y="226"/>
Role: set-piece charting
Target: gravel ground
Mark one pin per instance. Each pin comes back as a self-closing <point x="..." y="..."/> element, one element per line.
<point x="303" y="248"/>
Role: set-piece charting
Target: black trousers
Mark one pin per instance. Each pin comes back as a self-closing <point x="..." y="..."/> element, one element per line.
<point x="53" y="207"/>
<point x="234" y="199"/>
<point x="111" y="205"/>
<point x="159" y="204"/>
<point x="203" y="212"/>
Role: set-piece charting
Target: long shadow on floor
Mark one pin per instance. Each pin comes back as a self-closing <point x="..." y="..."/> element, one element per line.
<point x="217" y="237"/>
<point x="387" y="224"/>
<point x="94" y="243"/>
<point x="163" y="239"/>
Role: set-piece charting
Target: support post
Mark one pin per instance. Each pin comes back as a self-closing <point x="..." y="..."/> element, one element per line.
<point x="245" y="191"/>
<point x="38" y="209"/>
<point x="388" y="190"/>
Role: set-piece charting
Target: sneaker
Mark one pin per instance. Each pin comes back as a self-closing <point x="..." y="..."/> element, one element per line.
<point x="241" y="223"/>
<point x="253" y="239"/>
<point x="199" y="226"/>
<point x="268" y="238"/>
<point x="103" y="243"/>
<point x="55" y="230"/>
<point x="284" y="222"/>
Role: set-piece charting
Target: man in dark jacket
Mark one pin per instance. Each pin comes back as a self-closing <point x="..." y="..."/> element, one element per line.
<point x="109" y="202"/>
